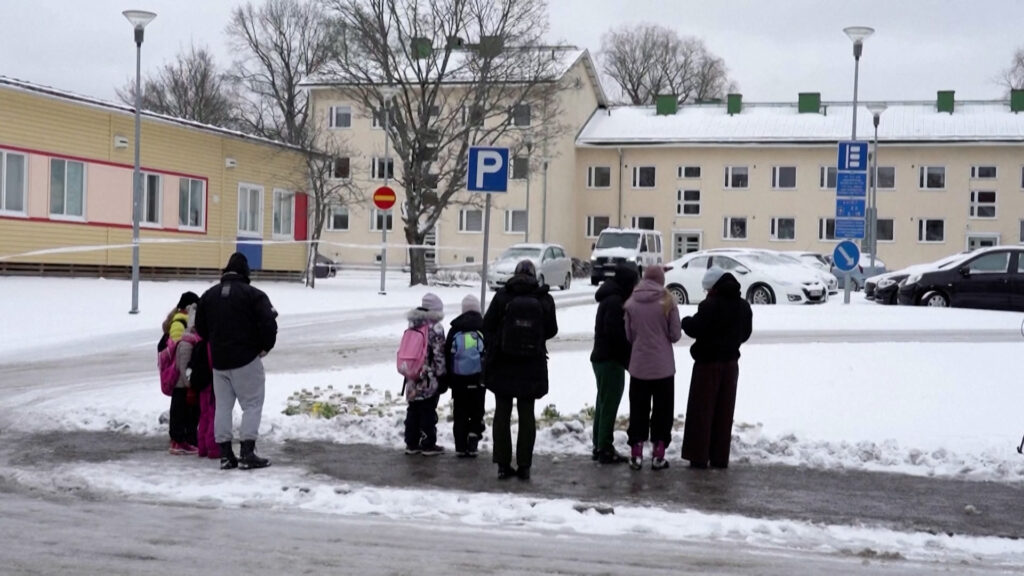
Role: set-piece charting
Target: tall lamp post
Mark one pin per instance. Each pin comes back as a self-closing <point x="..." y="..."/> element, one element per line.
<point x="858" y="34"/>
<point x="387" y="93"/>
<point x="528" y="142"/>
<point x="138" y="19"/>
<point x="876" y="113"/>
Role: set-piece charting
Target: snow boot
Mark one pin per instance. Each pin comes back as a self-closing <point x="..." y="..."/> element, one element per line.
<point x="505" y="471"/>
<point x="658" y="461"/>
<point x="248" y="459"/>
<point x="227" y="456"/>
<point x="636" y="456"/>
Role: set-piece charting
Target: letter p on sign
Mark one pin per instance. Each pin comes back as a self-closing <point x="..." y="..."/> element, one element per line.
<point x="487" y="170"/>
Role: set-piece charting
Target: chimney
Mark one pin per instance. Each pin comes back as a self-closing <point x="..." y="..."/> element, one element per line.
<point x="666" y="104"/>
<point x="809" y="102"/>
<point x="734" y="103"/>
<point x="1016" y="100"/>
<point x="945" y="101"/>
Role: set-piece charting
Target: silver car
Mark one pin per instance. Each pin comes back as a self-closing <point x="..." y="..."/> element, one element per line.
<point x="553" y="265"/>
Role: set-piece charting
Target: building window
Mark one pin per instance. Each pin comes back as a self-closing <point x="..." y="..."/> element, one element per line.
<point x="886" y="178"/>
<point x="341" y="168"/>
<point x="191" y="203"/>
<point x="826" y="228"/>
<point x="687" y="202"/>
<point x="884" y="227"/>
<point x="783" y="177"/>
<point x="734" y="228"/>
<point x="67" y="188"/>
<point x="687" y="172"/>
<point x="378" y="117"/>
<point x="379" y="165"/>
<point x="150" y="199"/>
<point x="515" y="221"/>
<point x="931" y="230"/>
<point x="250" y="209"/>
<point x="643" y="176"/>
<point x="932" y="177"/>
<point x="284" y="213"/>
<point x="983" y="172"/>
<point x="599" y="177"/>
<point x="983" y="204"/>
<point x="520" y="167"/>
<point x="12" y="183"/>
<point x="737" y="177"/>
<point x="643" y="222"/>
<point x="783" y="229"/>
<point x="381" y="218"/>
<point x="519" y="116"/>
<point x="597" y="223"/>
<point x="827" y="178"/>
<point x="340" y="117"/>
<point x="1021" y="240"/>
<point x="337" y="220"/>
<point x="471" y="221"/>
<point x="472" y="116"/>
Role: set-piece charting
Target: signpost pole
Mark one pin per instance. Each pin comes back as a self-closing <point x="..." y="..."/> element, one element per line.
<point x="487" y="241"/>
<point x="384" y="217"/>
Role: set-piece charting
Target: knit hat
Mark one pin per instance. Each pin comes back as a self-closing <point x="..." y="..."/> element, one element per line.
<point x="186" y="299"/>
<point x="711" y="277"/>
<point x="655" y="274"/>
<point x="432" y="303"/>
<point x="470" y="304"/>
<point x="238" y="264"/>
<point x="526" y="267"/>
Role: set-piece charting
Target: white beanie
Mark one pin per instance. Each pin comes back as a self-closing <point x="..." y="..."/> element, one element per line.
<point x="711" y="277"/>
<point x="432" y="302"/>
<point x="470" y="303"/>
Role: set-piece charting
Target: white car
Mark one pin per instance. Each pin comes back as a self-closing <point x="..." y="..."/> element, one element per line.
<point x="810" y="260"/>
<point x="552" y="264"/>
<point x="763" y="278"/>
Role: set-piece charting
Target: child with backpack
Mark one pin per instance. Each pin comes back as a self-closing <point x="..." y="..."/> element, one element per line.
<point x="464" y="351"/>
<point x="421" y="361"/>
<point x="174" y="353"/>
<point x="200" y="381"/>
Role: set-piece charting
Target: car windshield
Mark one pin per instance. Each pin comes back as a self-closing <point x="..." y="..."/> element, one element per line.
<point x="520" y="253"/>
<point x="618" y="240"/>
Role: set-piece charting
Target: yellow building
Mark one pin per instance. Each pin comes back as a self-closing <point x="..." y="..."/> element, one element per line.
<point x="66" y="173"/>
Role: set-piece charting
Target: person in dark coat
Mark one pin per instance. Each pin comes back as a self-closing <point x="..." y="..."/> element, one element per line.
<point x="468" y="390"/>
<point x="722" y="323"/>
<point x="241" y="326"/>
<point x="513" y="374"/>
<point x="610" y="358"/>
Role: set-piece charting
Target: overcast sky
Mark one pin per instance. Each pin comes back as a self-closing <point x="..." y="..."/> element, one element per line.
<point x="773" y="48"/>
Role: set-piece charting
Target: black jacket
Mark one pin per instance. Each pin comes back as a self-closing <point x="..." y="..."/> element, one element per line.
<point x="238" y="321"/>
<point x="721" y="324"/>
<point x="517" y="377"/>
<point x="610" y="341"/>
<point x="466" y="322"/>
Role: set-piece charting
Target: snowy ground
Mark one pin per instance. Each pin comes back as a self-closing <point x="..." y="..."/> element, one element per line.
<point x="943" y="409"/>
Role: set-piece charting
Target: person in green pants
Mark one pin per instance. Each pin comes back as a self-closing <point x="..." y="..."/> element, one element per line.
<point x="610" y="358"/>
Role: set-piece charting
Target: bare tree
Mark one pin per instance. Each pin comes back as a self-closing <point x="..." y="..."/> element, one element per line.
<point x="647" y="60"/>
<point x="465" y="72"/>
<point x="190" y="87"/>
<point x="1013" y="77"/>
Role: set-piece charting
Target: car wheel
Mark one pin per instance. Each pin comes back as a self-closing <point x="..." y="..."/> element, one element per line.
<point x="679" y="293"/>
<point x="760" y="294"/>
<point x="568" y="281"/>
<point x="935" y="299"/>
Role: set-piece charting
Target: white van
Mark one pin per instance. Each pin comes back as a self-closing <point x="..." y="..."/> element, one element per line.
<point x="615" y="245"/>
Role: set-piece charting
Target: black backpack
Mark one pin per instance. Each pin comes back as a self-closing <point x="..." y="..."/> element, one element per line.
<point x="522" y="330"/>
<point x="200" y="375"/>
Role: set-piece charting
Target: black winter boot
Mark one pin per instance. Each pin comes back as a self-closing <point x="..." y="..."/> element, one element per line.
<point x="227" y="456"/>
<point x="248" y="458"/>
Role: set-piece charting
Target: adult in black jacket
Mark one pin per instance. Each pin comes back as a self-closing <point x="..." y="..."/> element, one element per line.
<point x="240" y="324"/>
<point x="511" y="376"/>
<point x="610" y="358"/>
<point x="468" y="392"/>
<point x="722" y="323"/>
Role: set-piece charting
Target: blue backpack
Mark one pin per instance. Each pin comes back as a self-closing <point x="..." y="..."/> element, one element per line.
<point x="467" y="348"/>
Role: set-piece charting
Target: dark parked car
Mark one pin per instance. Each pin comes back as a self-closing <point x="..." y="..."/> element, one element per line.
<point x="325" y="267"/>
<point x="884" y="288"/>
<point x="990" y="278"/>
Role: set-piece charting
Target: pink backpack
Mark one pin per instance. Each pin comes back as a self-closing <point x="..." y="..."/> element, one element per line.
<point x="166" y="361"/>
<point x="412" y="352"/>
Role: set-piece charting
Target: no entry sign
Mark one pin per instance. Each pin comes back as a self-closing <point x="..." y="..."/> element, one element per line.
<point x="384" y="198"/>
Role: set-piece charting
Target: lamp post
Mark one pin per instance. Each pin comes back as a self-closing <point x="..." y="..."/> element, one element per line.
<point x="876" y="112"/>
<point x="544" y="205"/>
<point x="858" y="34"/>
<point x="528" y="142"/>
<point x="138" y="19"/>
<point x="386" y="93"/>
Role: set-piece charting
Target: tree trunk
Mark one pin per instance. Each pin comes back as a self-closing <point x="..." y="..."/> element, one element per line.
<point x="417" y="255"/>
<point x="311" y="263"/>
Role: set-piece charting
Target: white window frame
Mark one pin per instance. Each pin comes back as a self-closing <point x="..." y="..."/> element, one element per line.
<point x="464" y="221"/>
<point x="85" y="179"/>
<point x="893" y="239"/>
<point x="6" y="193"/>
<point x="281" y="199"/>
<point x="591" y="230"/>
<point x="1020" y="240"/>
<point x="922" y="178"/>
<point x="188" y="208"/>
<point x="592" y="177"/>
<point x="145" y="200"/>
<point x="635" y="222"/>
<point x="872" y="177"/>
<point x="774" y="230"/>
<point x="510" y="221"/>
<point x="730" y="173"/>
<point x="332" y="119"/>
<point x="636" y="177"/>
<point x="823" y="172"/>
<point x="386" y="216"/>
<point x="246" y="228"/>
<point x="727" y="223"/>
<point x="515" y="160"/>
<point x="333" y="168"/>
<point x="776" y="177"/>
<point x="922" y="226"/>
<point x="338" y="209"/>
<point x="823" y="230"/>
<point x="976" y="205"/>
<point x="379" y="165"/>
<point x="682" y="203"/>
<point x="377" y="116"/>
<point x="681" y="172"/>
<point x="976" y="171"/>
<point x="512" y="118"/>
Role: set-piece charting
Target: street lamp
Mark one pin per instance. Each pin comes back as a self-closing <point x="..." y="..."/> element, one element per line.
<point x="858" y="34"/>
<point x="528" y="142"/>
<point x="386" y="93"/>
<point x="876" y="113"/>
<point x="138" y="19"/>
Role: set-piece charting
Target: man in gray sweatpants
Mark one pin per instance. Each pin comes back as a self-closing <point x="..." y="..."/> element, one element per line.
<point x="241" y="326"/>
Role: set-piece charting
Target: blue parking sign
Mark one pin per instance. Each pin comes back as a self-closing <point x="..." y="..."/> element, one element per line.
<point x="487" y="170"/>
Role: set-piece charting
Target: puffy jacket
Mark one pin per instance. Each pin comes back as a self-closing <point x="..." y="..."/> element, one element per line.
<point x="428" y="384"/>
<point x="723" y="321"/>
<point x="610" y="342"/>
<point x="652" y="325"/>
<point x="238" y="321"/>
<point x="517" y="377"/>
<point x="466" y="322"/>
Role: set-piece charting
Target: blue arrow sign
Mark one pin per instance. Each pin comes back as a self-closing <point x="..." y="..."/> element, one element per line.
<point x="849" y="227"/>
<point x="846" y="256"/>
<point x="851" y="183"/>
<point x="850" y="207"/>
